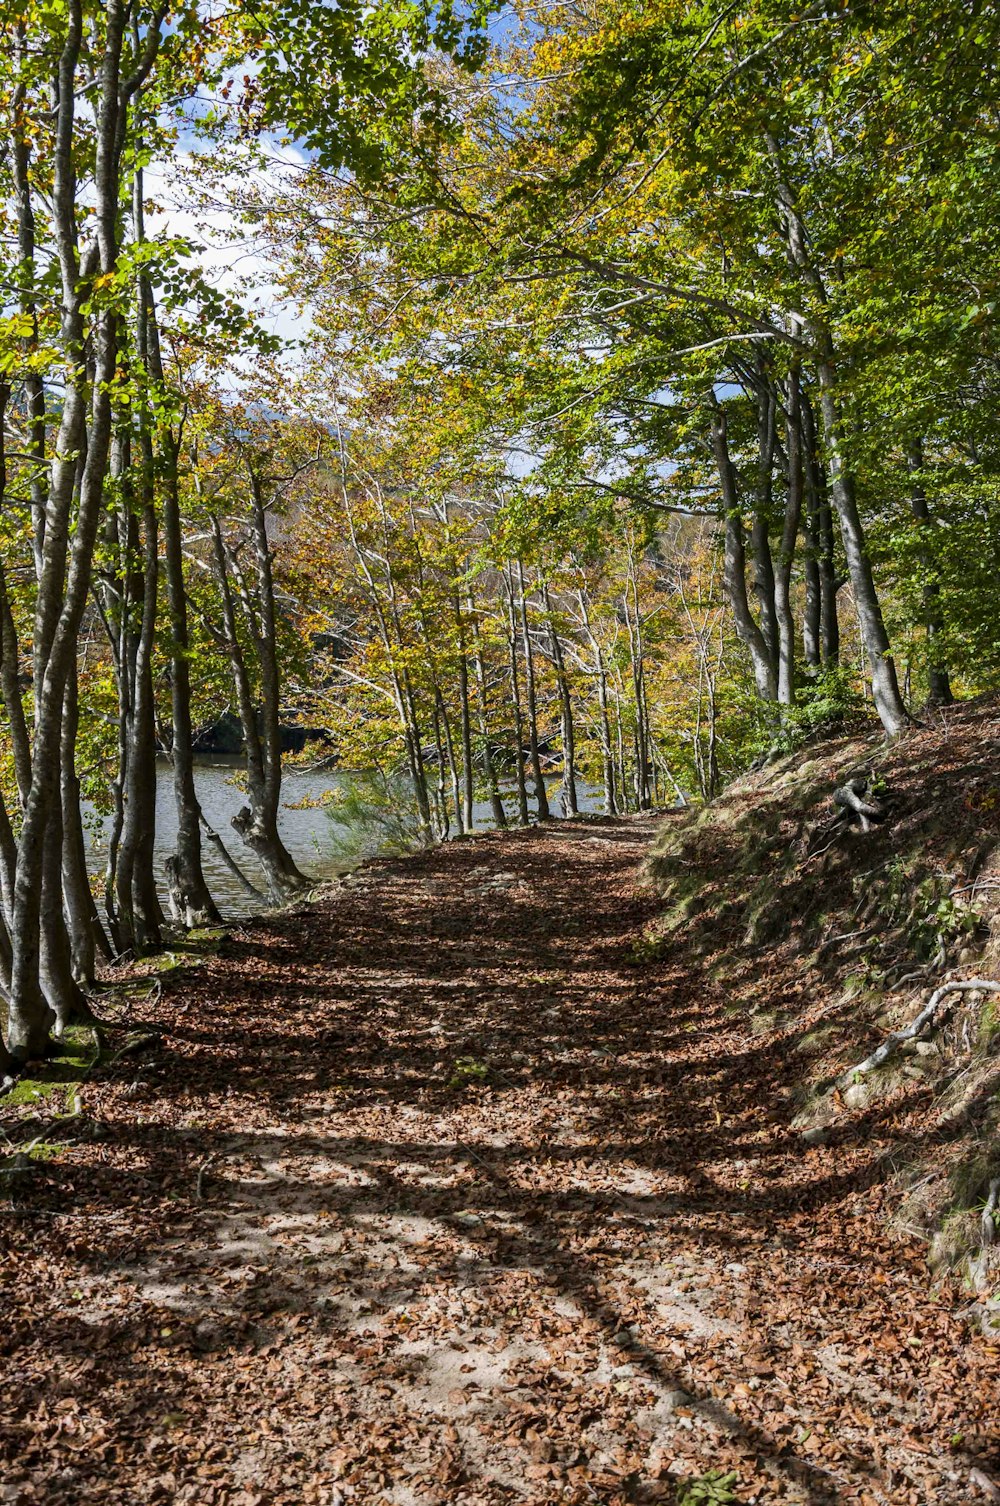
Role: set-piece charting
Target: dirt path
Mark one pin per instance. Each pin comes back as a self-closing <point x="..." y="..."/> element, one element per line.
<point x="439" y="1192"/>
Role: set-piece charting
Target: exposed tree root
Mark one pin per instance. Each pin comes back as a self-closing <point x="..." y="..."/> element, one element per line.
<point x="990" y="1213"/>
<point x="853" y="800"/>
<point x="924" y="1020"/>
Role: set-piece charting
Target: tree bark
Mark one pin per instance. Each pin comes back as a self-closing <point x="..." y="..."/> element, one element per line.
<point x="885" y="686"/>
<point x="938" y="680"/>
<point x="191" y="901"/>
<point x="515" y="697"/>
<point x="747" y="629"/>
<point x="821" y="534"/>
<point x="568" y="797"/>
<point x="764" y="578"/>
<point x="256" y="822"/>
<point x="489" y="768"/>
<point x="789" y="534"/>
<point x="541" y="797"/>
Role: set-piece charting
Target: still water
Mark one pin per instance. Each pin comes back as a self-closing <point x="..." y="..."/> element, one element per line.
<point x="311" y="832"/>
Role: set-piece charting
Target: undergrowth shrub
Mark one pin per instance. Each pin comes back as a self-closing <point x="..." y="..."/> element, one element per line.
<point x="374" y="814"/>
<point x="825" y="702"/>
<point x="714" y="1488"/>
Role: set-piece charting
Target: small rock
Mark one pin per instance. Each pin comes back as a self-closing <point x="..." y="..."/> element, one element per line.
<point x="818" y="1135"/>
<point x="674" y="1399"/>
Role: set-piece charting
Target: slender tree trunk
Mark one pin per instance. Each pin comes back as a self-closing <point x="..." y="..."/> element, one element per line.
<point x="764" y="579"/>
<point x="256" y="823"/>
<point x="541" y="796"/>
<point x="465" y="712"/>
<point x="821" y="525"/>
<point x="515" y="695"/>
<point x="607" y="749"/>
<point x="882" y="667"/>
<point x="440" y="784"/>
<point x="138" y="904"/>
<point x="633" y="622"/>
<point x="62" y="992"/>
<point x="86" y="934"/>
<point x="789" y="534"/>
<point x="38" y="931"/>
<point x="607" y="752"/>
<point x="191" y="902"/>
<point x="280" y="859"/>
<point x="620" y="749"/>
<point x="569" y="799"/>
<point x="489" y="769"/>
<point x="938" y="681"/>
<point x="735" y="564"/>
<point x="456" y="786"/>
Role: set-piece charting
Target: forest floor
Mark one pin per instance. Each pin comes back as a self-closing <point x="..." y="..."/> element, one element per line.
<point x="441" y="1190"/>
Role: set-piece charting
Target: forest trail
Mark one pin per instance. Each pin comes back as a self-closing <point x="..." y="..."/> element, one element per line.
<point x="441" y="1191"/>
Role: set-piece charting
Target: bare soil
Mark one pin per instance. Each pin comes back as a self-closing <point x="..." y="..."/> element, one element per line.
<point x="443" y="1190"/>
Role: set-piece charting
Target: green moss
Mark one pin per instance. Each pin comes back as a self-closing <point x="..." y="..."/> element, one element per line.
<point x="29" y="1090"/>
<point x="989" y="1023"/>
<point x="74" y="1056"/>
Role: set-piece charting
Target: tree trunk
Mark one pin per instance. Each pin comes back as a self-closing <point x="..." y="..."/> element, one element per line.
<point x="256" y="822"/>
<point x="456" y="786"/>
<point x="86" y="934"/>
<point x="764" y="581"/>
<point x="747" y="630"/>
<point x="821" y="532"/>
<point x="789" y="534"/>
<point x="465" y="712"/>
<point x="515" y="696"/>
<point x="541" y="797"/>
<point x="267" y="657"/>
<point x="62" y="596"/>
<point x="138" y="904"/>
<point x="489" y="770"/>
<point x="607" y="749"/>
<point x="569" y="800"/>
<point x="885" y="686"/>
<point x="938" y="681"/>
<point x="191" y="902"/>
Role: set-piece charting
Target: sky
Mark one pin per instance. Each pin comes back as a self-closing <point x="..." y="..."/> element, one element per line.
<point x="229" y="255"/>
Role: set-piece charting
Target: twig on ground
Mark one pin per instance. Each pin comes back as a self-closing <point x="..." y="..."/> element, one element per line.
<point x="152" y="1038"/>
<point x="911" y="977"/>
<point x="983" y="1482"/>
<point x="203" y="1170"/>
<point x="848" y="935"/>
<point x="923" y="1020"/>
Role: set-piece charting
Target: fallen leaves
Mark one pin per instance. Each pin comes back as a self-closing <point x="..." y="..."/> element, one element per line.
<point x="599" y="1269"/>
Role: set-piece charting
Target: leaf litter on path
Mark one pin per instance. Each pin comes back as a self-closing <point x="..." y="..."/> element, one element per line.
<point x="436" y="1192"/>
